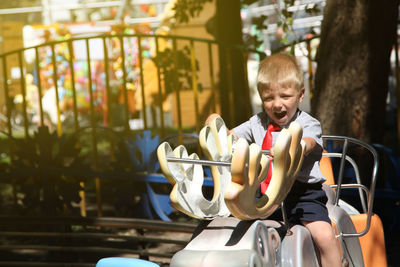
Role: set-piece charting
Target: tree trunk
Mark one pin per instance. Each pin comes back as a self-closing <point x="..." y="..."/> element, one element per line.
<point x="233" y="86"/>
<point x="351" y="81"/>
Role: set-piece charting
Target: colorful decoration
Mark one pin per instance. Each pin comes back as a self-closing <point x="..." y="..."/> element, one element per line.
<point x="81" y="71"/>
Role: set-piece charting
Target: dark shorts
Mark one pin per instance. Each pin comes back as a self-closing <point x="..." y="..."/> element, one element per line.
<point x="305" y="202"/>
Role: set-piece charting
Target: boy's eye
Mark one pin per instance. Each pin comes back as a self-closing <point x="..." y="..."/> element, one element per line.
<point x="286" y="96"/>
<point x="267" y="99"/>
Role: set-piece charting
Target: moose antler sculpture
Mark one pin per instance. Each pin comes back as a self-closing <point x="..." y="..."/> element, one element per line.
<point x="236" y="181"/>
<point x="248" y="171"/>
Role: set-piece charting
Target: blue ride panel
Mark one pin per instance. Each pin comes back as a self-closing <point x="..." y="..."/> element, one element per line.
<point x="124" y="262"/>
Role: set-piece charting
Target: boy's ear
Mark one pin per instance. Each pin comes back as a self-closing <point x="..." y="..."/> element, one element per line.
<point x="301" y="96"/>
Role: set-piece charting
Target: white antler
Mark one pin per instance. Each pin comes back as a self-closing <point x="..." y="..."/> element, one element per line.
<point x="188" y="179"/>
<point x="217" y="145"/>
<point x="241" y="193"/>
<point x="186" y="194"/>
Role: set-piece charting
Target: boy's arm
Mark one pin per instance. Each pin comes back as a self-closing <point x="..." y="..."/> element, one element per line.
<point x="310" y="145"/>
<point x="312" y="135"/>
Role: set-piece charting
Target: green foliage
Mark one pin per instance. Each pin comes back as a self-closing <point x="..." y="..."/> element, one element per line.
<point x="286" y="18"/>
<point x="185" y="9"/>
<point x="45" y="171"/>
<point x="312" y="9"/>
<point x="176" y="66"/>
<point x="254" y="39"/>
<point x="248" y="2"/>
<point x="42" y="189"/>
<point x="259" y="22"/>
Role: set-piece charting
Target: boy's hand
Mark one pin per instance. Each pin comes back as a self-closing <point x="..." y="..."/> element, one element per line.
<point x="213" y="116"/>
<point x="310" y="145"/>
<point x="210" y="118"/>
<point x="271" y="152"/>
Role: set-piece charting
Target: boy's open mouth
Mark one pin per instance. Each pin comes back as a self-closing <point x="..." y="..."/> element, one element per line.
<point x="280" y="115"/>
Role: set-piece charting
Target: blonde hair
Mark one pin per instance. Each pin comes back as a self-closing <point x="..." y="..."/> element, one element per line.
<point x="281" y="69"/>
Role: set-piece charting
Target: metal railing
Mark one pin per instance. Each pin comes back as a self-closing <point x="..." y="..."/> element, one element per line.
<point x="92" y="75"/>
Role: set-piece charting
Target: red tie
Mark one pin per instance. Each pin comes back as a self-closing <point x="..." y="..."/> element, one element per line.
<point x="267" y="144"/>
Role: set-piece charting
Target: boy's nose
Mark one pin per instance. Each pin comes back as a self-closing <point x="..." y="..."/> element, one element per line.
<point x="277" y="104"/>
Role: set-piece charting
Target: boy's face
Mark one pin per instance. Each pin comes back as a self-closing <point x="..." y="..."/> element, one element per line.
<point x="281" y="103"/>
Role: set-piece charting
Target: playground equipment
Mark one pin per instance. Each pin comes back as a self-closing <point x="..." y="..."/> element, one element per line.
<point x="238" y="232"/>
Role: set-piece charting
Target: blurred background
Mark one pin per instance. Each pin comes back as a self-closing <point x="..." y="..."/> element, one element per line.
<point x="26" y="24"/>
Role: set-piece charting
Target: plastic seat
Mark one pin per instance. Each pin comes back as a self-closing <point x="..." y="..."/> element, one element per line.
<point x="143" y="160"/>
<point x="156" y="203"/>
<point x="325" y="165"/>
<point x="372" y="244"/>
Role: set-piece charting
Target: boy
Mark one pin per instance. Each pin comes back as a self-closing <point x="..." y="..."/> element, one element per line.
<point x="280" y="85"/>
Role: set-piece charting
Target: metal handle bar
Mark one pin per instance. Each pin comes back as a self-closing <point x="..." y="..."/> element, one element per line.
<point x="206" y="162"/>
<point x="371" y="195"/>
<point x="357" y="173"/>
<point x="200" y="161"/>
